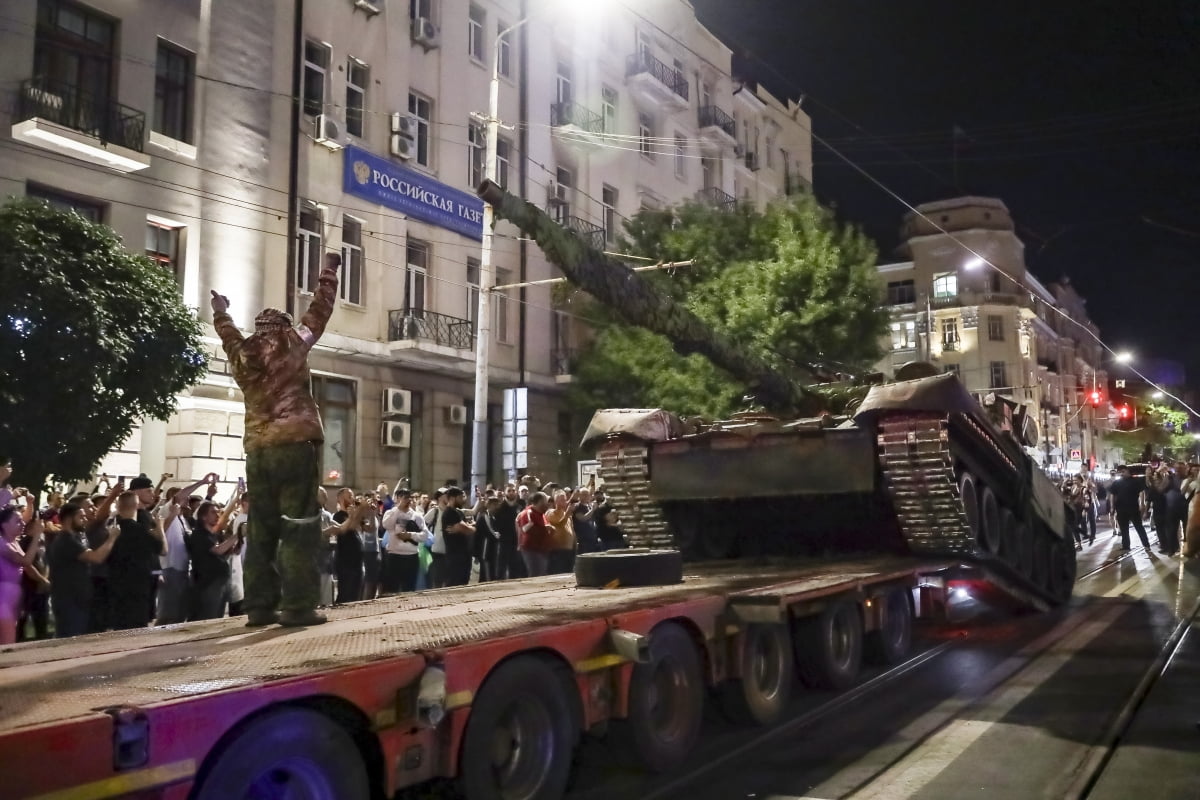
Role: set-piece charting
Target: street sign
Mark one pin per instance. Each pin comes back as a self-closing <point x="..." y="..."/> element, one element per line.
<point x="1076" y="455"/>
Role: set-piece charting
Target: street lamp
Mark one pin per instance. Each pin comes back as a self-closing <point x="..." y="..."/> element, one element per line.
<point x="974" y="263"/>
<point x="1124" y="357"/>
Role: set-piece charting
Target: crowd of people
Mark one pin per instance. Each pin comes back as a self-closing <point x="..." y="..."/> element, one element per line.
<point x="134" y="555"/>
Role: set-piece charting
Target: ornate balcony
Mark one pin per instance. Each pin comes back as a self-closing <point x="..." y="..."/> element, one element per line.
<point x="591" y="233"/>
<point x="59" y="117"/>
<point x="655" y="83"/>
<point x="717" y="198"/>
<point x="432" y="333"/>
<point x="574" y="123"/>
<point x="717" y="129"/>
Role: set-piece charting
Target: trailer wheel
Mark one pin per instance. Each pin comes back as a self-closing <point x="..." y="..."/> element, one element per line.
<point x="761" y="694"/>
<point x="989" y="521"/>
<point x="519" y="738"/>
<point x="969" y="497"/>
<point x="635" y="567"/>
<point x="829" y="646"/>
<point x="666" y="700"/>
<point x="890" y="644"/>
<point x="292" y="752"/>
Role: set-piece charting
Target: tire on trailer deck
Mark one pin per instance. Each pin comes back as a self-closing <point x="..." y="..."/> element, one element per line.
<point x="291" y="746"/>
<point x="969" y="497"/>
<point x="633" y="567"/>
<point x="519" y="740"/>
<point x="890" y="644"/>
<point x="828" y="646"/>
<point x="666" y="701"/>
<point x="767" y="668"/>
<point x="990" y="532"/>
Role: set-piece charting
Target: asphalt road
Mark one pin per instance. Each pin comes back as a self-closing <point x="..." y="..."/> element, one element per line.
<point x="1098" y="700"/>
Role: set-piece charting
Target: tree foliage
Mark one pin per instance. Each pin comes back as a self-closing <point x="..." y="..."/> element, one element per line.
<point x="1161" y="428"/>
<point x="791" y="285"/>
<point x="92" y="338"/>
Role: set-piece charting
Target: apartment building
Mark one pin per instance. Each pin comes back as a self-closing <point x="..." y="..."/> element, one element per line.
<point x="237" y="187"/>
<point x="1006" y="334"/>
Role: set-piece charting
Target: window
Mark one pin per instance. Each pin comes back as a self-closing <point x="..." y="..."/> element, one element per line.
<point x="562" y="83"/>
<point x="73" y="54"/>
<point x="476" y="153"/>
<point x="422" y="108"/>
<point x="900" y="292"/>
<point x="473" y="294"/>
<point x="422" y="9"/>
<point x="339" y="410"/>
<point x="608" y="108"/>
<point x="904" y="335"/>
<point x="608" y="199"/>
<point x="945" y="285"/>
<point x="680" y="156"/>
<point x="503" y="276"/>
<point x="995" y="328"/>
<point x="357" y="80"/>
<point x="173" y="93"/>
<point x="476" y="24"/>
<point x="91" y="211"/>
<point x="308" y="250"/>
<point x="162" y="246"/>
<point x="646" y="135"/>
<point x="706" y="172"/>
<point x="950" y="333"/>
<point x="504" y="50"/>
<point x="503" y="155"/>
<point x="316" y="66"/>
<point x="770" y="152"/>
<point x="999" y="375"/>
<point x="561" y="201"/>
<point x="416" y="275"/>
<point x="350" y="285"/>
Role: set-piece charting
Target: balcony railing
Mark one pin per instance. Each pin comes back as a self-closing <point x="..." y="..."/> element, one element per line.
<point x="970" y="298"/>
<point x="717" y="198"/>
<point x="99" y="117"/>
<point x="795" y="183"/>
<point x="429" y="326"/>
<point x="589" y="232"/>
<point x="643" y="62"/>
<point x="713" y="117"/>
<point x="562" y="359"/>
<point x="574" y="114"/>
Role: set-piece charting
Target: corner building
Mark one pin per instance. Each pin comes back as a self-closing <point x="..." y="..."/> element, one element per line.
<point x="377" y="158"/>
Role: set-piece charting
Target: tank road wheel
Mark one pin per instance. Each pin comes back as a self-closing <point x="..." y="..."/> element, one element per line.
<point x="291" y="752"/>
<point x="990" y="532"/>
<point x="829" y="646"/>
<point x="519" y="738"/>
<point x="767" y="670"/>
<point x="969" y="497"/>
<point x="890" y="644"/>
<point x="1008" y="537"/>
<point x="666" y="700"/>
<point x="631" y="567"/>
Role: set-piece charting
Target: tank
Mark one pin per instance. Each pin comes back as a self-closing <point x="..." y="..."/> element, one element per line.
<point x="920" y="468"/>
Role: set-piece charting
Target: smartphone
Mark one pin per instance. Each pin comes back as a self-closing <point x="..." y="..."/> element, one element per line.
<point x="241" y="484"/>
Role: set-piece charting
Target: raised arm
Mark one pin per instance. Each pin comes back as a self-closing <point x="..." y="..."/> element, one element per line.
<point x="231" y="337"/>
<point x="313" y="323"/>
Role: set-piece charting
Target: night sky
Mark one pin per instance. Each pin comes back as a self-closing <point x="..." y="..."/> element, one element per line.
<point x="1083" y="116"/>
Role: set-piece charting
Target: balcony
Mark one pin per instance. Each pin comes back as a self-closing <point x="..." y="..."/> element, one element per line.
<point x="562" y="360"/>
<point x="655" y="83"/>
<point x="795" y="183"/>
<point x="59" y="117"/>
<point x="576" y="124"/>
<point x="717" y="198"/>
<point x="717" y="129"/>
<point x="970" y="298"/>
<point x="593" y="235"/>
<point x="438" y="335"/>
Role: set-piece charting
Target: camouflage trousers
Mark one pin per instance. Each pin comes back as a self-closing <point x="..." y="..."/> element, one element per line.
<point x="281" y="557"/>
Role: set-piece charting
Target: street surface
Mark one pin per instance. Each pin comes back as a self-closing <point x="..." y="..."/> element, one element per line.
<point x="1097" y="700"/>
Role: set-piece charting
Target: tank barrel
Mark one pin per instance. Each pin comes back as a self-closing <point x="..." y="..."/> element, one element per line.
<point x="640" y="302"/>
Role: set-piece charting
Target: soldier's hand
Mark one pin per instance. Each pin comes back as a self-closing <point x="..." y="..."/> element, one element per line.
<point x="220" y="303"/>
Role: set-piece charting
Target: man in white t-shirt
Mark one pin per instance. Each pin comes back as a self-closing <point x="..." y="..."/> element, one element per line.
<point x="406" y="532"/>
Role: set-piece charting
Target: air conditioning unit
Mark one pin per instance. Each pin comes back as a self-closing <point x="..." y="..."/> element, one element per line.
<point x="404" y="124"/>
<point x="402" y="147"/>
<point x="327" y="131"/>
<point x="456" y="415"/>
<point x="555" y="195"/>
<point x="397" y="402"/>
<point x="424" y="32"/>
<point x="395" y="434"/>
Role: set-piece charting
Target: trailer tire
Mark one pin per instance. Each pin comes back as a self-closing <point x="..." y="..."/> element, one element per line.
<point x="969" y="497"/>
<point x="767" y="668"/>
<point x="519" y="741"/>
<point x="666" y="701"/>
<point x="890" y="644"/>
<point x="289" y="744"/>
<point x="829" y="646"/>
<point x="634" y="567"/>
<point x="990" y="531"/>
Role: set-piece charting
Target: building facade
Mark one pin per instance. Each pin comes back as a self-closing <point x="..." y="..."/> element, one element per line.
<point x="241" y="142"/>
<point x="1003" y="333"/>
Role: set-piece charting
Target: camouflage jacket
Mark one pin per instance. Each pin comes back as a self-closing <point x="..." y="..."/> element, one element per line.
<point x="272" y="371"/>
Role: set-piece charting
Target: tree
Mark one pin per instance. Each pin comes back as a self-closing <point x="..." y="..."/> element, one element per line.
<point x="1162" y="430"/>
<point x="92" y="338"/>
<point x="790" y="286"/>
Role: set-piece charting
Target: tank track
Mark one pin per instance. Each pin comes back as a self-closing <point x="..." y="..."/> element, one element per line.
<point x="625" y="470"/>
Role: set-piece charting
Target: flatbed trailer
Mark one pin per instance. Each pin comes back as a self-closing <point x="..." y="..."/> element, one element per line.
<point x="492" y="684"/>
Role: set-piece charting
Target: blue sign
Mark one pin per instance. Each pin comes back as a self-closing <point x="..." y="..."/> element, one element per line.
<point x="408" y="191"/>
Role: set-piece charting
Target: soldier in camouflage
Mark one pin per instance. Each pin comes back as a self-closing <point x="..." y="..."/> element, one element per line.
<point x="282" y="441"/>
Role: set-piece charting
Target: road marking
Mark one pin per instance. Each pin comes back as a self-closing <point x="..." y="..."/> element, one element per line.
<point x="925" y="762"/>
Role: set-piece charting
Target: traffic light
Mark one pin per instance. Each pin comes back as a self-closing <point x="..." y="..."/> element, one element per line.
<point x="1124" y="417"/>
<point x="1094" y="399"/>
